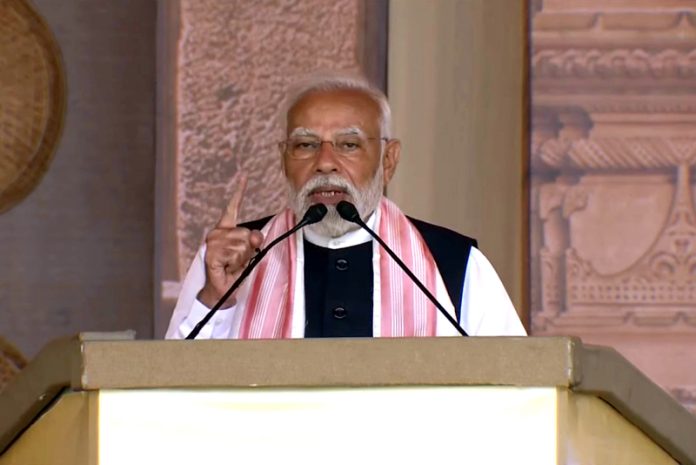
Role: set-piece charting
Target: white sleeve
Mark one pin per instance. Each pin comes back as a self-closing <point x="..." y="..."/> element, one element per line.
<point x="486" y="308"/>
<point x="189" y="311"/>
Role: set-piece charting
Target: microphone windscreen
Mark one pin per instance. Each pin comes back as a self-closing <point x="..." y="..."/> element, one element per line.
<point x="315" y="213"/>
<point x="348" y="211"/>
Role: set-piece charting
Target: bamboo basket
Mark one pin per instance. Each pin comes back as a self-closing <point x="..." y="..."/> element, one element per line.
<point x="11" y="362"/>
<point x="32" y="100"/>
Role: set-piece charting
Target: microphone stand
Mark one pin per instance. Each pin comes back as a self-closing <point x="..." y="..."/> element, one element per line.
<point x="348" y="212"/>
<point x="314" y="214"/>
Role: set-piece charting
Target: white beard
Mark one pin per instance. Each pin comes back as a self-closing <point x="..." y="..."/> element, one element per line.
<point x="333" y="225"/>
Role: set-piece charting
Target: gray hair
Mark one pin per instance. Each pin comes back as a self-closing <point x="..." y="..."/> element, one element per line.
<point x="326" y="82"/>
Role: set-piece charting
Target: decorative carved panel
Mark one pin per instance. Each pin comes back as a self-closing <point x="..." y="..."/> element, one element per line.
<point x="613" y="154"/>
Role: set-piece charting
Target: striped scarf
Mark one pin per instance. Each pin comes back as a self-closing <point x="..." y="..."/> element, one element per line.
<point x="274" y="299"/>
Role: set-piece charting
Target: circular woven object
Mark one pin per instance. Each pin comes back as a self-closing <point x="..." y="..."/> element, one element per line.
<point x="11" y="362"/>
<point x="32" y="100"/>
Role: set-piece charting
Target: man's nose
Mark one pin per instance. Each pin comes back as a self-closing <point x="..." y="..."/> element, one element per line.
<point x="325" y="161"/>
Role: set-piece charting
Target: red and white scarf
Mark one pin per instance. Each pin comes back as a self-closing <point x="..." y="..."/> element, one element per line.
<point x="273" y="300"/>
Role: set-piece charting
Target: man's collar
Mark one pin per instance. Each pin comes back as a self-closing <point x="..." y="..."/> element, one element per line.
<point x="356" y="237"/>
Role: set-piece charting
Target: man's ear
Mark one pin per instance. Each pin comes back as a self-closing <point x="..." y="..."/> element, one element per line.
<point x="392" y="153"/>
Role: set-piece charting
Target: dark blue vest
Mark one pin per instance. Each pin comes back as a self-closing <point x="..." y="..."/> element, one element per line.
<point x="339" y="287"/>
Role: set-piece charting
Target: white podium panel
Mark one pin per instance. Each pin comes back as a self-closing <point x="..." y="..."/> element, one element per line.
<point x="480" y="425"/>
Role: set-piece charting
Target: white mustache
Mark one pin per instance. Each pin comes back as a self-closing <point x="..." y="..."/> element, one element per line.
<point x="333" y="225"/>
<point x="329" y="180"/>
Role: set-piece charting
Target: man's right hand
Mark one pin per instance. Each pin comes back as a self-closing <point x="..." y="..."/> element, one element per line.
<point x="228" y="249"/>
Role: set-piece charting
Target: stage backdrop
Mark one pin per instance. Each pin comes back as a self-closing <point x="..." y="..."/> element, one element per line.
<point x="613" y="224"/>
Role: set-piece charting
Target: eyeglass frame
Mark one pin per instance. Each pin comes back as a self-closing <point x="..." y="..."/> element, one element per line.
<point x="284" y="145"/>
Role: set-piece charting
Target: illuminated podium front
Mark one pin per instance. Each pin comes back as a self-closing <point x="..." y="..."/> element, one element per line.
<point x="95" y="399"/>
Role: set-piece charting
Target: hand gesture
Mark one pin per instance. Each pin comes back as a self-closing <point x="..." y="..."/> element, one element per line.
<point x="228" y="249"/>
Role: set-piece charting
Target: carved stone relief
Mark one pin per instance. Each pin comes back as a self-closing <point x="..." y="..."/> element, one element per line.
<point x="613" y="152"/>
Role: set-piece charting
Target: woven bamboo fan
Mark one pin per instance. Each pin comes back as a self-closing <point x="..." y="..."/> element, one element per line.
<point x="32" y="100"/>
<point x="11" y="361"/>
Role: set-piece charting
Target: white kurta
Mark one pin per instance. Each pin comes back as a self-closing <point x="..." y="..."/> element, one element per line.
<point x="486" y="309"/>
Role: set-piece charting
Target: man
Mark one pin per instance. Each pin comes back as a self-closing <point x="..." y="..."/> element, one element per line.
<point x="330" y="279"/>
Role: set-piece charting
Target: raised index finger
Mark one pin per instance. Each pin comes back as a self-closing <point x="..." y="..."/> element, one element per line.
<point x="229" y="216"/>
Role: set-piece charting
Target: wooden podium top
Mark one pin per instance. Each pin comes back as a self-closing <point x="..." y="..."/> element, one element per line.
<point x="92" y="361"/>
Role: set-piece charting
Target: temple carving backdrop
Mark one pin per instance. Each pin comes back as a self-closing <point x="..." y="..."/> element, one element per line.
<point x="613" y="154"/>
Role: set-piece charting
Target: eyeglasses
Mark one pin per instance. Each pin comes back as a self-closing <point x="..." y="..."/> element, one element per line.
<point x="348" y="145"/>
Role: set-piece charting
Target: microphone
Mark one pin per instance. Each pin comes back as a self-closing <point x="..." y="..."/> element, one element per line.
<point x="314" y="214"/>
<point x="348" y="212"/>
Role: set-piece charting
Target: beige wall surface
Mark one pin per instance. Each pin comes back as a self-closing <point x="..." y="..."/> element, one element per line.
<point x="76" y="254"/>
<point x="613" y="223"/>
<point x="457" y="87"/>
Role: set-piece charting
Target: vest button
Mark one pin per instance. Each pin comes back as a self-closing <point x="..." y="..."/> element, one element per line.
<point x="339" y="313"/>
<point x="341" y="264"/>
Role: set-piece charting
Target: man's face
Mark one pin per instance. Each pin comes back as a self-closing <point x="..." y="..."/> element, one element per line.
<point x="352" y="169"/>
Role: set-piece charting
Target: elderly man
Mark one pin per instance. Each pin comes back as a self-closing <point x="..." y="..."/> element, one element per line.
<point x="331" y="279"/>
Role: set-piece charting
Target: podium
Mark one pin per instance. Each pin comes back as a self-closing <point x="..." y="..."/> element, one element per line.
<point x="103" y="399"/>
